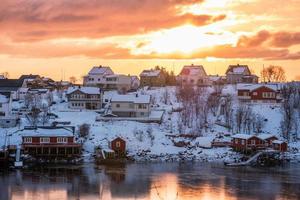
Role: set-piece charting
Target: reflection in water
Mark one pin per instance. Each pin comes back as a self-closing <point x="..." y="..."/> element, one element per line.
<point x="151" y="181"/>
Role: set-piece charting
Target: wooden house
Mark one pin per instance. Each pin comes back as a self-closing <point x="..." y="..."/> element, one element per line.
<point x="50" y="143"/>
<point x="244" y="142"/>
<point x="258" y="93"/>
<point x="152" y="78"/>
<point x="118" y="145"/>
<point x="279" y="145"/>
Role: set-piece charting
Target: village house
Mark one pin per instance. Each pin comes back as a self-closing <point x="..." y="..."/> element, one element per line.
<point x="279" y="145"/>
<point x="119" y="82"/>
<point x="130" y="105"/>
<point x="245" y="142"/>
<point x="7" y="119"/>
<point x="152" y="78"/>
<point x="193" y="75"/>
<point x="240" y="74"/>
<point x="118" y="145"/>
<point x="96" y="76"/>
<point x="50" y="142"/>
<point x="89" y="98"/>
<point x="135" y="83"/>
<point x="258" y="93"/>
<point x="217" y="80"/>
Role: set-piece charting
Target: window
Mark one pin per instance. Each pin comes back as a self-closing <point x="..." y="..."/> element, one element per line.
<point x="254" y="93"/>
<point x="118" y="144"/>
<point x="62" y="140"/>
<point x="243" y="142"/>
<point x="236" y="141"/>
<point x="253" y="142"/>
<point x="28" y="140"/>
<point x="7" y="122"/>
<point x="118" y="105"/>
<point x="142" y="113"/>
<point x="44" y="140"/>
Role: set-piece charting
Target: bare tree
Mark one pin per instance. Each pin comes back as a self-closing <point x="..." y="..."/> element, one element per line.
<point x="84" y="130"/>
<point x="5" y="75"/>
<point x="166" y="96"/>
<point x="73" y="80"/>
<point x="44" y="113"/>
<point x="34" y="116"/>
<point x="273" y="74"/>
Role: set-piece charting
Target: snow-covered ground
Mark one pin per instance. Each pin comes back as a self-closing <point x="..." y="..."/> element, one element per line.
<point x="152" y="141"/>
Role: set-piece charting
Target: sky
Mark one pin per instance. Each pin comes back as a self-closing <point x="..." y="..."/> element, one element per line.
<point x="64" y="38"/>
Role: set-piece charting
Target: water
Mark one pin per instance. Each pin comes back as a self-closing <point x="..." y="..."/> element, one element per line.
<point x="168" y="181"/>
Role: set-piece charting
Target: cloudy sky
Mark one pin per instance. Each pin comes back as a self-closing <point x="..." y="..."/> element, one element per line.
<point x="61" y="38"/>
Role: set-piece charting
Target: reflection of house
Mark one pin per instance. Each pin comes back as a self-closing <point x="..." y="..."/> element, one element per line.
<point x="84" y="98"/>
<point x="152" y="78"/>
<point x="258" y="93"/>
<point x="96" y="76"/>
<point x="193" y="75"/>
<point x="240" y="74"/>
<point x="130" y="105"/>
<point x="50" y="142"/>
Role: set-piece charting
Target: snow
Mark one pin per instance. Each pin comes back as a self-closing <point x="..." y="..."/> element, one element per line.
<point x="252" y="87"/>
<point x="193" y="70"/>
<point x="150" y="73"/>
<point x="134" y="98"/>
<point x="153" y="141"/>
<point x="86" y="90"/>
<point x="265" y="136"/>
<point x="277" y="141"/>
<point x="100" y="70"/>
<point x="242" y="136"/>
<point x="46" y="132"/>
<point x="3" y="99"/>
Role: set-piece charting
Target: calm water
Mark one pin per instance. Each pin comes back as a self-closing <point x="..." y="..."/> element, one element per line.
<point x="152" y="181"/>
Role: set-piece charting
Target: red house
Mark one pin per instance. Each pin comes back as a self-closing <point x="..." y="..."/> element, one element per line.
<point x="119" y="146"/>
<point x="258" y="93"/>
<point x="279" y="145"/>
<point x="267" y="139"/>
<point x="244" y="142"/>
<point x="50" y="143"/>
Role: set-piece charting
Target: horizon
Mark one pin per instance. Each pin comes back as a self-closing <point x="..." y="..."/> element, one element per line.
<point x="66" y="38"/>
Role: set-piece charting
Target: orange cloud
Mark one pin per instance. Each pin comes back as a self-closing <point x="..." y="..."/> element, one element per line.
<point x="24" y="20"/>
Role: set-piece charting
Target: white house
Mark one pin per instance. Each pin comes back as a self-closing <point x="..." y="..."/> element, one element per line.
<point x="6" y="118"/>
<point x="131" y="105"/>
<point x="240" y="74"/>
<point x="193" y="75"/>
<point x="96" y="76"/>
<point x="89" y="98"/>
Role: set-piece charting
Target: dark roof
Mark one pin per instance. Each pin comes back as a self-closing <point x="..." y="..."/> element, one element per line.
<point x="7" y="85"/>
<point x="30" y="76"/>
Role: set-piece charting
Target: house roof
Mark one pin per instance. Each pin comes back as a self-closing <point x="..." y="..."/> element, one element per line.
<point x="278" y="142"/>
<point x="3" y="99"/>
<point x="243" y="136"/>
<point x="150" y="73"/>
<point x="252" y="87"/>
<point x="193" y="70"/>
<point x="131" y="98"/>
<point x="10" y="84"/>
<point x="265" y="136"/>
<point x="86" y="90"/>
<point x="43" y="132"/>
<point x="100" y="70"/>
<point x="237" y="69"/>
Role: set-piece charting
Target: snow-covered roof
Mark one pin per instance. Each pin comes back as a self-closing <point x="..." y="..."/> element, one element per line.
<point x="242" y="136"/>
<point x="150" y="72"/>
<point x="86" y="90"/>
<point x="41" y="132"/>
<point x="277" y="142"/>
<point x="131" y="98"/>
<point x="215" y="77"/>
<point x="237" y="69"/>
<point x="193" y="70"/>
<point x="252" y="87"/>
<point x="22" y="89"/>
<point x="3" y="99"/>
<point x="100" y="70"/>
<point x="265" y="136"/>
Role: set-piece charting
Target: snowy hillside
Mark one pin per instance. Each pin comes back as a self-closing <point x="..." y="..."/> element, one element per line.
<point x="167" y="141"/>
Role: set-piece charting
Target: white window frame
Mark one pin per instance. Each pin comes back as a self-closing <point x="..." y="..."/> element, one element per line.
<point x="27" y="139"/>
<point x="45" y="140"/>
<point x="62" y="140"/>
<point x="118" y="144"/>
<point x="243" y="142"/>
